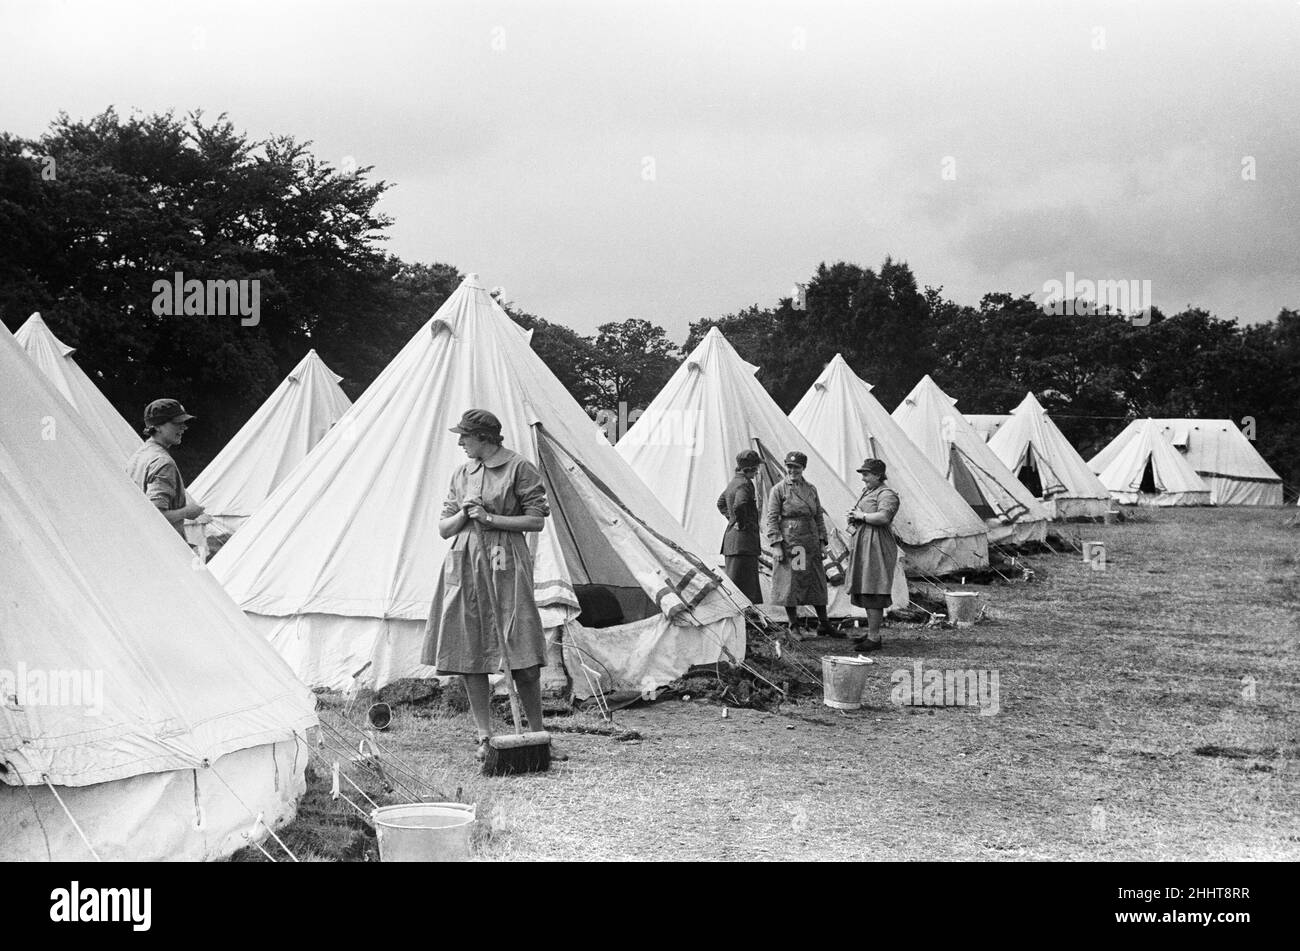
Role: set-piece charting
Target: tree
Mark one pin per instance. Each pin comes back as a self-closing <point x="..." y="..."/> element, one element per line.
<point x="135" y="200"/>
<point x="634" y="359"/>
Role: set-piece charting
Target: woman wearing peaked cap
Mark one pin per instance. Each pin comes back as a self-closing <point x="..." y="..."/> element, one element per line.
<point x="796" y="532"/>
<point x="740" y="543"/>
<point x="875" y="553"/>
<point x="503" y="492"/>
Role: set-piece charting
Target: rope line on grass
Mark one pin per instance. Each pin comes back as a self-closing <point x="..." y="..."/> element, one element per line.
<point x="399" y="767"/>
<point x="342" y="751"/>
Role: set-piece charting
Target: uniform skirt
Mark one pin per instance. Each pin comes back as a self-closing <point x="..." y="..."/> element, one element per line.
<point x="459" y="637"/>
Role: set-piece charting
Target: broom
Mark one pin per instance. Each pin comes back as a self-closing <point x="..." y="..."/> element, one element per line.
<point x="519" y="752"/>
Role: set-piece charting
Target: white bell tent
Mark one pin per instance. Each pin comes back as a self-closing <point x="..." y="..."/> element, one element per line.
<point x="1032" y="447"/>
<point x="932" y="421"/>
<point x="685" y="444"/>
<point x="139" y="708"/>
<point x="1144" y="469"/>
<point x="276" y="438"/>
<point x="338" y="567"/>
<point x="1219" y="453"/>
<point x="846" y="424"/>
<point x="54" y="359"/>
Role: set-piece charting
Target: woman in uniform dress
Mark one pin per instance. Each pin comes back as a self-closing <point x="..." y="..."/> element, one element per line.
<point x="796" y="533"/>
<point x="874" y="554"/>
<point x="503" y="492"/>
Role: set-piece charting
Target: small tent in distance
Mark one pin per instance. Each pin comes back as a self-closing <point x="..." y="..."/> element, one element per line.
<point x="930" y="418"/>
<point x="338" y="567"/>
<point x="685" y="443"/>
<point x="1032" y="447"/>
<point x="54" y="359"/>
<point x="939" y="532"/>
<point x="1146" y="470"/>
<point x="1218" y="452"/>
<point x="276" y="438"/>
<point x="137" y="700"/>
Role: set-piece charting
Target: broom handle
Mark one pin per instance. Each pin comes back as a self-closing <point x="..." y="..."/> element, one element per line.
<point x="496" y="629"/>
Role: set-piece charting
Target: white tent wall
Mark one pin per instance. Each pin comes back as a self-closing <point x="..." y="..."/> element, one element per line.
<point x="1217" y="451"/>
<point x="1029" y="438"/>
<point x="184" y="815"/>
<point x="939" y="533"/>
<point x="338" y="567"/>
<point x="285" y="428"/>
<point x="930" y="418"/>
<point x="179" y="683"/>
<point x="685" y="443"/>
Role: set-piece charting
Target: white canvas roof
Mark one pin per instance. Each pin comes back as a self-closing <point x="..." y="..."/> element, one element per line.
<point x="846" y="424"/>
<point x="54" y="359"/>
<point x="986" y="424"/>
<point x="1172" y="481"/>
<point x="1219" y="453"/>
<point x="339" y="566"/>
<point x="276" y="438"/>
<point x="1029" y="439"/>
<point x="685" y="444"/>
<point x="164" y="693"/>
<point x="930" y="418"/>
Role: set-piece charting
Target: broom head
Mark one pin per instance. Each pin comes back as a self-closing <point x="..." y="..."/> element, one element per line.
<point x="518" y="753"/>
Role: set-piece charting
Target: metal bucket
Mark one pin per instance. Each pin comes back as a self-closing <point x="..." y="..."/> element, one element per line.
<point x="424" y="831"/>
<point x="963" y="607"/>
<point x="844" y="679"/>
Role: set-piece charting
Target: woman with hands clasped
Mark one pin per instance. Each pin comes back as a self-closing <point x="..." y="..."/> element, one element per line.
<point x="501" y="492"/>
<point x="874" y="555"/>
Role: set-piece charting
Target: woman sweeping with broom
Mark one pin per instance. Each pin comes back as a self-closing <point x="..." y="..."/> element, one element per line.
<point x="484" y="598"/>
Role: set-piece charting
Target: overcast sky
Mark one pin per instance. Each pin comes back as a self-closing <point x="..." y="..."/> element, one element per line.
<point x="605" y="160"/>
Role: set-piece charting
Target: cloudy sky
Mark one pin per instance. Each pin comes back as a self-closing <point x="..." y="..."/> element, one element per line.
<point x="606" y="159"/>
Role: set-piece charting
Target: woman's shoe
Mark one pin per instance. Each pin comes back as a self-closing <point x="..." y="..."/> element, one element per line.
<point x="864" y="645"/>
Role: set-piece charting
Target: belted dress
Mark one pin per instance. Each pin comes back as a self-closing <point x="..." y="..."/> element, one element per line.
<point x="458" y="638"/>
<point x="874" y="554"/>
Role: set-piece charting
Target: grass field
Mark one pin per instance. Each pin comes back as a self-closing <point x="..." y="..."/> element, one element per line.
<point x="1146" y="711"/>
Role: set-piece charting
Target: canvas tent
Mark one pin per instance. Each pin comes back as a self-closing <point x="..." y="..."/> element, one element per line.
<point x="986" y="424"/>
<point x="130" y="684"/>
<point x="1032" y="447"/>
<point x="1219" y="453"/>
<point x="685" y="443"/>
<point x="276" y="438"/>
<point x="338" y="568"/>
<point x="930" y="418"/>
<point x="54" y="359"/>
<point x="939" y="532"/>
<point x="1145" y="469"/>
